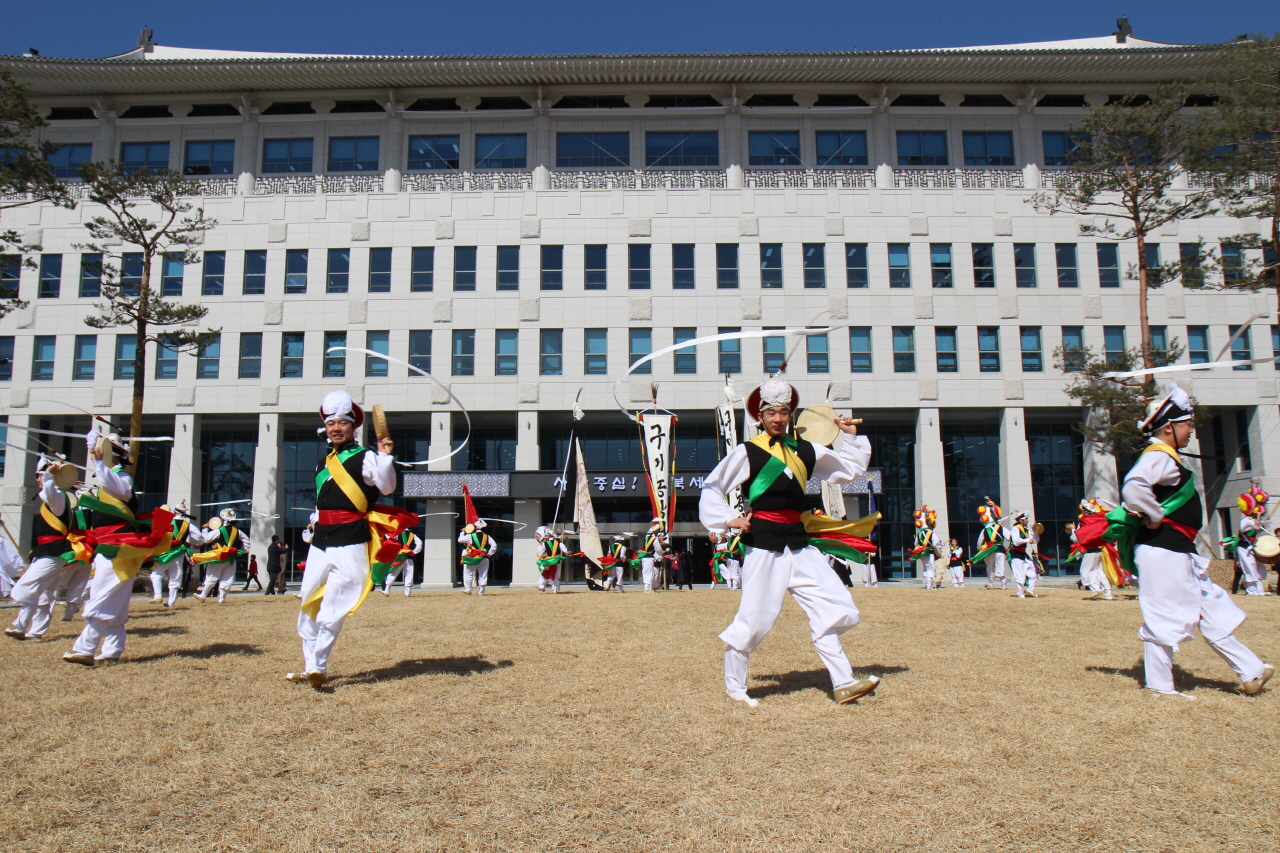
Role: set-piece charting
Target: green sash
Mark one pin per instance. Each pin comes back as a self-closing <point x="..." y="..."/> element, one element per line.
<point x="783" y="453"/>
<point x="1123" y="526"/>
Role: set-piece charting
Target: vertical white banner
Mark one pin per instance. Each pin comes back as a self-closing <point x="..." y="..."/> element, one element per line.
<point x="832" y="500"/>
<point x="656" y="430"/>
<point x="584" y="514"/>
<point x="727" y="425"/>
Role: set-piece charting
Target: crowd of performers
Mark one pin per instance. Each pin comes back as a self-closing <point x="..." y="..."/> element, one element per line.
<point x="90" y="545"/>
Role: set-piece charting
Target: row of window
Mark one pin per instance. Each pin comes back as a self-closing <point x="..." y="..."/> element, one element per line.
<point x="595" y="268"/>
<point x="575" y="151"/>
<point x="949" y="344"/>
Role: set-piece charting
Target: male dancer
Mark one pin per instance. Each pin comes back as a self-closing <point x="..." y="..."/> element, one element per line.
<point x="1253" y="504"/>
<point x="615" y="563"/>
<point x="955" y="565"/>
<point x="1092" y="574"/>
<point x="223" y="544"/>
<point x="478" y="548"/>
<point x="169" y="564"/>
<point x="1156" y="530"/>
<point x="992" y="544"/>
<point x="403" y="562"/>
<point x="733" y="563"/>
<point x="49" y="552"/>
<point x="773" y="469"/>
<point x="651" y="553"/>
<point x="928" y="543"/>
<point x="1023" y="540"/>
<point x="551" y="557"/>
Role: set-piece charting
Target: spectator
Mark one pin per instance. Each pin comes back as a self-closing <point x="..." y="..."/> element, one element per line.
<point x="253" y="574"/>
<point x="276" y="565"/>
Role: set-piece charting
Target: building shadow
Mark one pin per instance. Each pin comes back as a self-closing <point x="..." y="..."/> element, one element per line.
<point x="213" y="650"/>
<point x="815" y="679"/>
<point x="156" y="632"/>
<point x="1182" y="679"/>
<point x="464" y="666"/>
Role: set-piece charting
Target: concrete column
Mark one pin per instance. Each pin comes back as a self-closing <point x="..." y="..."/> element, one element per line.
<point x="184" y="462"/>
<point x="1263" y="429"/>
<point x="528" y="454"/>
<point x="1100" y="475"/>
<point x="437" y="546"/>
<point x="524" y="566"/>
<point x="1015" y="463"/>
<point x="441" y="438"/>
<point x="19" y="471"/>
<point x="268" y="484"/>
<point x="931" y="477"/>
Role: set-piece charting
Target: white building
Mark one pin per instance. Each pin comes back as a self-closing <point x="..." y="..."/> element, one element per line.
<point x="524" y="226"/>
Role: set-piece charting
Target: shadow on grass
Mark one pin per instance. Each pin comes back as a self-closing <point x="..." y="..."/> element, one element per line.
<point x="815" y="679"/>
<point x="213" y="650"/>
<point x="155" y="632"/>
<point x="1182" y="679"/>
<point x="473" y="665"/>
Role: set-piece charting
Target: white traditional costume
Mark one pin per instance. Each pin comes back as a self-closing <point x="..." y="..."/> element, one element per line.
<point x="169" y="565"/>
<point x="478" y="547"/>
<point x="410" y="546"/>
<point x="1023" y="541"/>
<point x="550" y="556"/>
<point x="49" y="552"/>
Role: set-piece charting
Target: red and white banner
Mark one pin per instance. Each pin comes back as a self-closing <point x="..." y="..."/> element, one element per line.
<point x="584" y="514"/>
<point x="659" y="460"/>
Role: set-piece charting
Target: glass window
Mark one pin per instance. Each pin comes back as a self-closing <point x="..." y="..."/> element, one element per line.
<point x="815" y="265"/>
<point x="1032" y="352"/>
<point x="6" y="358"/>
<point x="420" y="351"/>
<point x="335" y="363"/>
<point x="1113" y="342"/>
<point x="1024" y="264"/>
<point x="255" y="273"/>
<point x="775" y="352"/>
<point x="551" y="352"/>
<point x="773" y="148"/>
<point x="464" y="352"/>
<point x="1060" y="147"/>
<point x="922" y="148"/>
<point x="552" y="272"/>
<point x="842" y="148"/>
<point x="90" y="276"/>
<point x="131" y="273"/>
<point x="855" y="264"/>
<point x="286" y="155"/>
<point x="380" y="270"/>
<point x="596" y="267"/>
<point x="464" y="268"/>
<point x="86" y="355"/>
<point x="819" y="356"/>
<point x="682" y="149"/>
<point x="422" y="276"/>
<point x="1108" y="265"/>
<point x="984" y="265"/>
<point x="940" y="264"/>
<point x="1241" y="349"/>
<point x="1072" y="348"/>
<point x="291" y="353"/>
<point x="508" y="267"/>
<point x="944" y="338"/>
<point x="11" y="270"/>
<point x="1153" y="255"/>
<point x="860" y="349"/>
<point x="771" y="265"/>
<point x="126" y="351"/>
<point x="1068" y="267"/>
<point x="295" y="271"/>
<point x="1275" y="344"/>
<point x="687" y="358"/>
<point x="207" y="359"/>
<point x="339" y="271"/>
<point x="66" y="159"/>
<point x="250" y="355"/>
<point x="596" y="352"/>
<point x="500" y="151"/>
<point x="682" y="272"/>
<point x="50" y="276"/>
<point x="433" y="152"/>
<point x="136" y="156"/>
<point x="214" y="274"/>
<point x="379" y="342"/>
<point x="727" y="266"/>
<point x="904" y="349"/>
<point x="899" y="265"/>
<point x="638" y="268"/>
<point x="988" y="148"/>
<point x="42" y="357"/>
<point x="166" y="362"/>
<point x="210" y="158"/>
<point x="353" y="154"/>
<point x="730" y="351"/>
<point x="639" y="344"/>
<point x="989" y="349"/>
<point x="593" y="150"/>
<point x="172" y="270"/>
<point x="1232" y="262"/>
<point x="1192" y="260"/>
<point x="1159" y="338"/>
<point x="506" y="352"/>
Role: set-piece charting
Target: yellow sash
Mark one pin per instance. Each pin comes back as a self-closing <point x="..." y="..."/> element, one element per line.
<point x="783" y="454"/>
<point x="1163" y="448"/>
<point x="356" y="495"/>
<point x="346" y="482"/>
<point x="52" y="520"/>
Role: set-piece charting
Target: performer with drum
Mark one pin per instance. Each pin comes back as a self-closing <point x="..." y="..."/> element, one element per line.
<point x="223" y="544"/>
<point x="169" y="565"/>
<point x="551" y="557"/>
<point x="1023" y="540"/>
<point x="50" y="551"/>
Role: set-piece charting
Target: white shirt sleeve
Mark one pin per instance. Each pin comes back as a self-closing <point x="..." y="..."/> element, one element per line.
<point x="713" y="509"/>
<point x="417" y="544"/>
<point x="1018" y="539"/>
<point x="847" y="465"/>
<point x="11" y="562"/>
<point x="52" y="495"/>
<point x="307" y="535"/>
<point x="464" y="538"/>
<point x="493" y="546"/>
<point x="379" y="470"/>
<point x="1247" y="524"/>
<point x="1152" y="469"/>
<point x="117" y="483"/>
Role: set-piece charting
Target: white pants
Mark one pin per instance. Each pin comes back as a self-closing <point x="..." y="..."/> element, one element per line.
<point x="956" y="574"/>
<point x="75" y="580"/>
<point x="478" y="572"/>
<point x="869" y="576"/>
<point x="928" y="571"/>
<point x="407" y="569"/>
<point x="766" y="578"/>
<point x="553" y="582"/>
<point x="105" y="613"/>
<point x="34" y="592"/>
<point x="221" y="575"/>
<point x="732" y="570"/>
<point x="172" y="570"/>
<point x="648" y="574"/>
<point x="996" y="569"/>
<point x="618" y="570"/>
<point x="343" y="572"/>
<point x="1255" y="573"/>
<point x="1092" y="575"/>
<point x="1024" y="575"/>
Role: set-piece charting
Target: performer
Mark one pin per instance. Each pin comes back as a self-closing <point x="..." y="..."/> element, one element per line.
<point x="170" y="564"/>
<point x="1023" y="540"/>
<point x="1093" y="574"/>
<point x="955" y="565"/>
<point x="11" y="566"/>
<point x="773" y="469"/>
<point x="410" y="545"/>
<point x="478" y="548"/>
<point x="551" y="558"/>
<point x="928" y="545"/>
<point x="651" y="553"/>
<point x="49" y="553"/>
<point x="615" y="562"/>
<point x="719" y="553"/>
<point x="1253" y="504"/>
<point x="993" y="545"/>
<point x="339" y="560"/>
<point x="1155" y="530"/>
<point x="733" y="563"/>
<point x="223" y="544"/>
<point x="870" y="577"/>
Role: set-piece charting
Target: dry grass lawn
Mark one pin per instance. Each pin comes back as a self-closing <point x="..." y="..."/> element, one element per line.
<point x="590" y="721"/>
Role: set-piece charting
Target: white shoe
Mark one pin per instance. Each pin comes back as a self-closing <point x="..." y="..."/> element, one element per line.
<point x="317" y="678"/>
<point x="746" y="701"/>
<point x="385" y="592"/>
<point x="295" y="677"/>
<point x="15" y="633"/>
<point x="1159" y="694"/>
<point x="156" y="600"/>
<point x="199" y="597"/>
<point x="480" y="591"/>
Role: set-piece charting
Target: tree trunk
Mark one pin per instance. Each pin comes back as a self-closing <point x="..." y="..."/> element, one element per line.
<point x="140" y="362"/>
<point x="1143" y="321"/>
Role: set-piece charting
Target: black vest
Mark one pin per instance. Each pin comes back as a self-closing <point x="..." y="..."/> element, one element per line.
<point x="332" y="497"/>
<point x="40" y="527"/>
<point x="784" y="493"/>
<point x="97" y="518"/>
<point x="1190" y="514"/>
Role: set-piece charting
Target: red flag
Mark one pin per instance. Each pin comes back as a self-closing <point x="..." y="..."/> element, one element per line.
<point x="472" y="515"/>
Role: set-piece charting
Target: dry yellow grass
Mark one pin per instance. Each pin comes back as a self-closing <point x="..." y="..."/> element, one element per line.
<point x="596" y="722"/>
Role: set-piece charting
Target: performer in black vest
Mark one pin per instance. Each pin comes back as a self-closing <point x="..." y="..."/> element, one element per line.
<point x="772" y="470"/>
<point x="49" y="550"/>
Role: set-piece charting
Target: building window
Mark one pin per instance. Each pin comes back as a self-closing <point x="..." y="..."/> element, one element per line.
<point x="899" y="265"/>
<point x="210" y="158"/>
<point x="291" y="353"/>
<point x="136" y="156"/>
<point x="86" y="356"/>
<point x="552" y="272"/>
<point x="286" y="155"/>
<point x="1032" y="352"/>
<point x="464" y="352"/>
<point x="595" y="352"/>
<point x="1108" y="265"/>
<point x="508" y="268"/>
<point x="422" y="275"/>
<point x="775" y="352"/>
<point x="420" y="351"/>
<point x="50" y="276"/>
<point x="855" y="264"/>
<point x="1113" y="343"/>
<point x="295" y="271"/>
<point x="984" y="265"/>
<point x="687" y="358"/>
<point x="595" y="266"/>
<point x="11" y="271"/>
<point x="6" y="358"/>
<point x="213" y="276"/>
<point x="506" y="352"/>
<point x="922" y="148"/>
<point x="1024" y="264"/>
<point x="593" y="150"/>
<point x="551" y="352"/>
<point x="815" y="265"/>
<point x="42" y="356"/>
<point x="166" y="362"/>
<point x="682" y="273"/>
<point x="1159" y="339"/>
<point x="1275" y="344"/>
<point x="639" y="344"/>
<point x="1060" y="148"/>
<point x="339" y="271"/>
<point x="250" y="355"/>
<point x="860" y="349"/>
<point x="464" y="268"/>
<point x="773" y="148"/>
<point x="353" y="154"/>
<point x="66" y="159"/>
<point x="727" y="266"/>
<point x="842" y="148"/>
<point x="638" y="269"/>
<point x="90" y="276"/>
<point x="940" y="264"/>
<point x="944" y="338"/>
<point x="1198" y="344"/>
<point x="1192" y="264"/>
<point x="207" y="358"/>
<point x="500" y="151"/>
<point x="379" y="342"/>
<point x="771" y="265"/>
<point x="131" y="273"/>
<point x="433" y="152"/>
<point x="255" y="273"/>
<point x="335" y="363"/>
<point x="1068" y="267"/>
<point x="1232" y="262"/>
<point x="989" y="349"/>
<point x="730" y="351"/>
<point x="126" y="352"/>
<point x="682" y="149"/>
<point x="1153" y="255"/>
<point x="380" y="270"/>
<point x="904" y="349"/>
<point x="1241" y="349"/>
<point x="989" y="148"/>
<point x="819" y="355"/>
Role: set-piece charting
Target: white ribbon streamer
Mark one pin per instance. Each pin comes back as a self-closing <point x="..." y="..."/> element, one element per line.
<point x="81" y="435"/>
<point x="506" y="521"/>
<point x="47" y="456"/>
<point x="1179" y="368"/>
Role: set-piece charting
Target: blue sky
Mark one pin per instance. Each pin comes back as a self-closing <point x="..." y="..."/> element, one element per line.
<point x="92" y="29"/>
